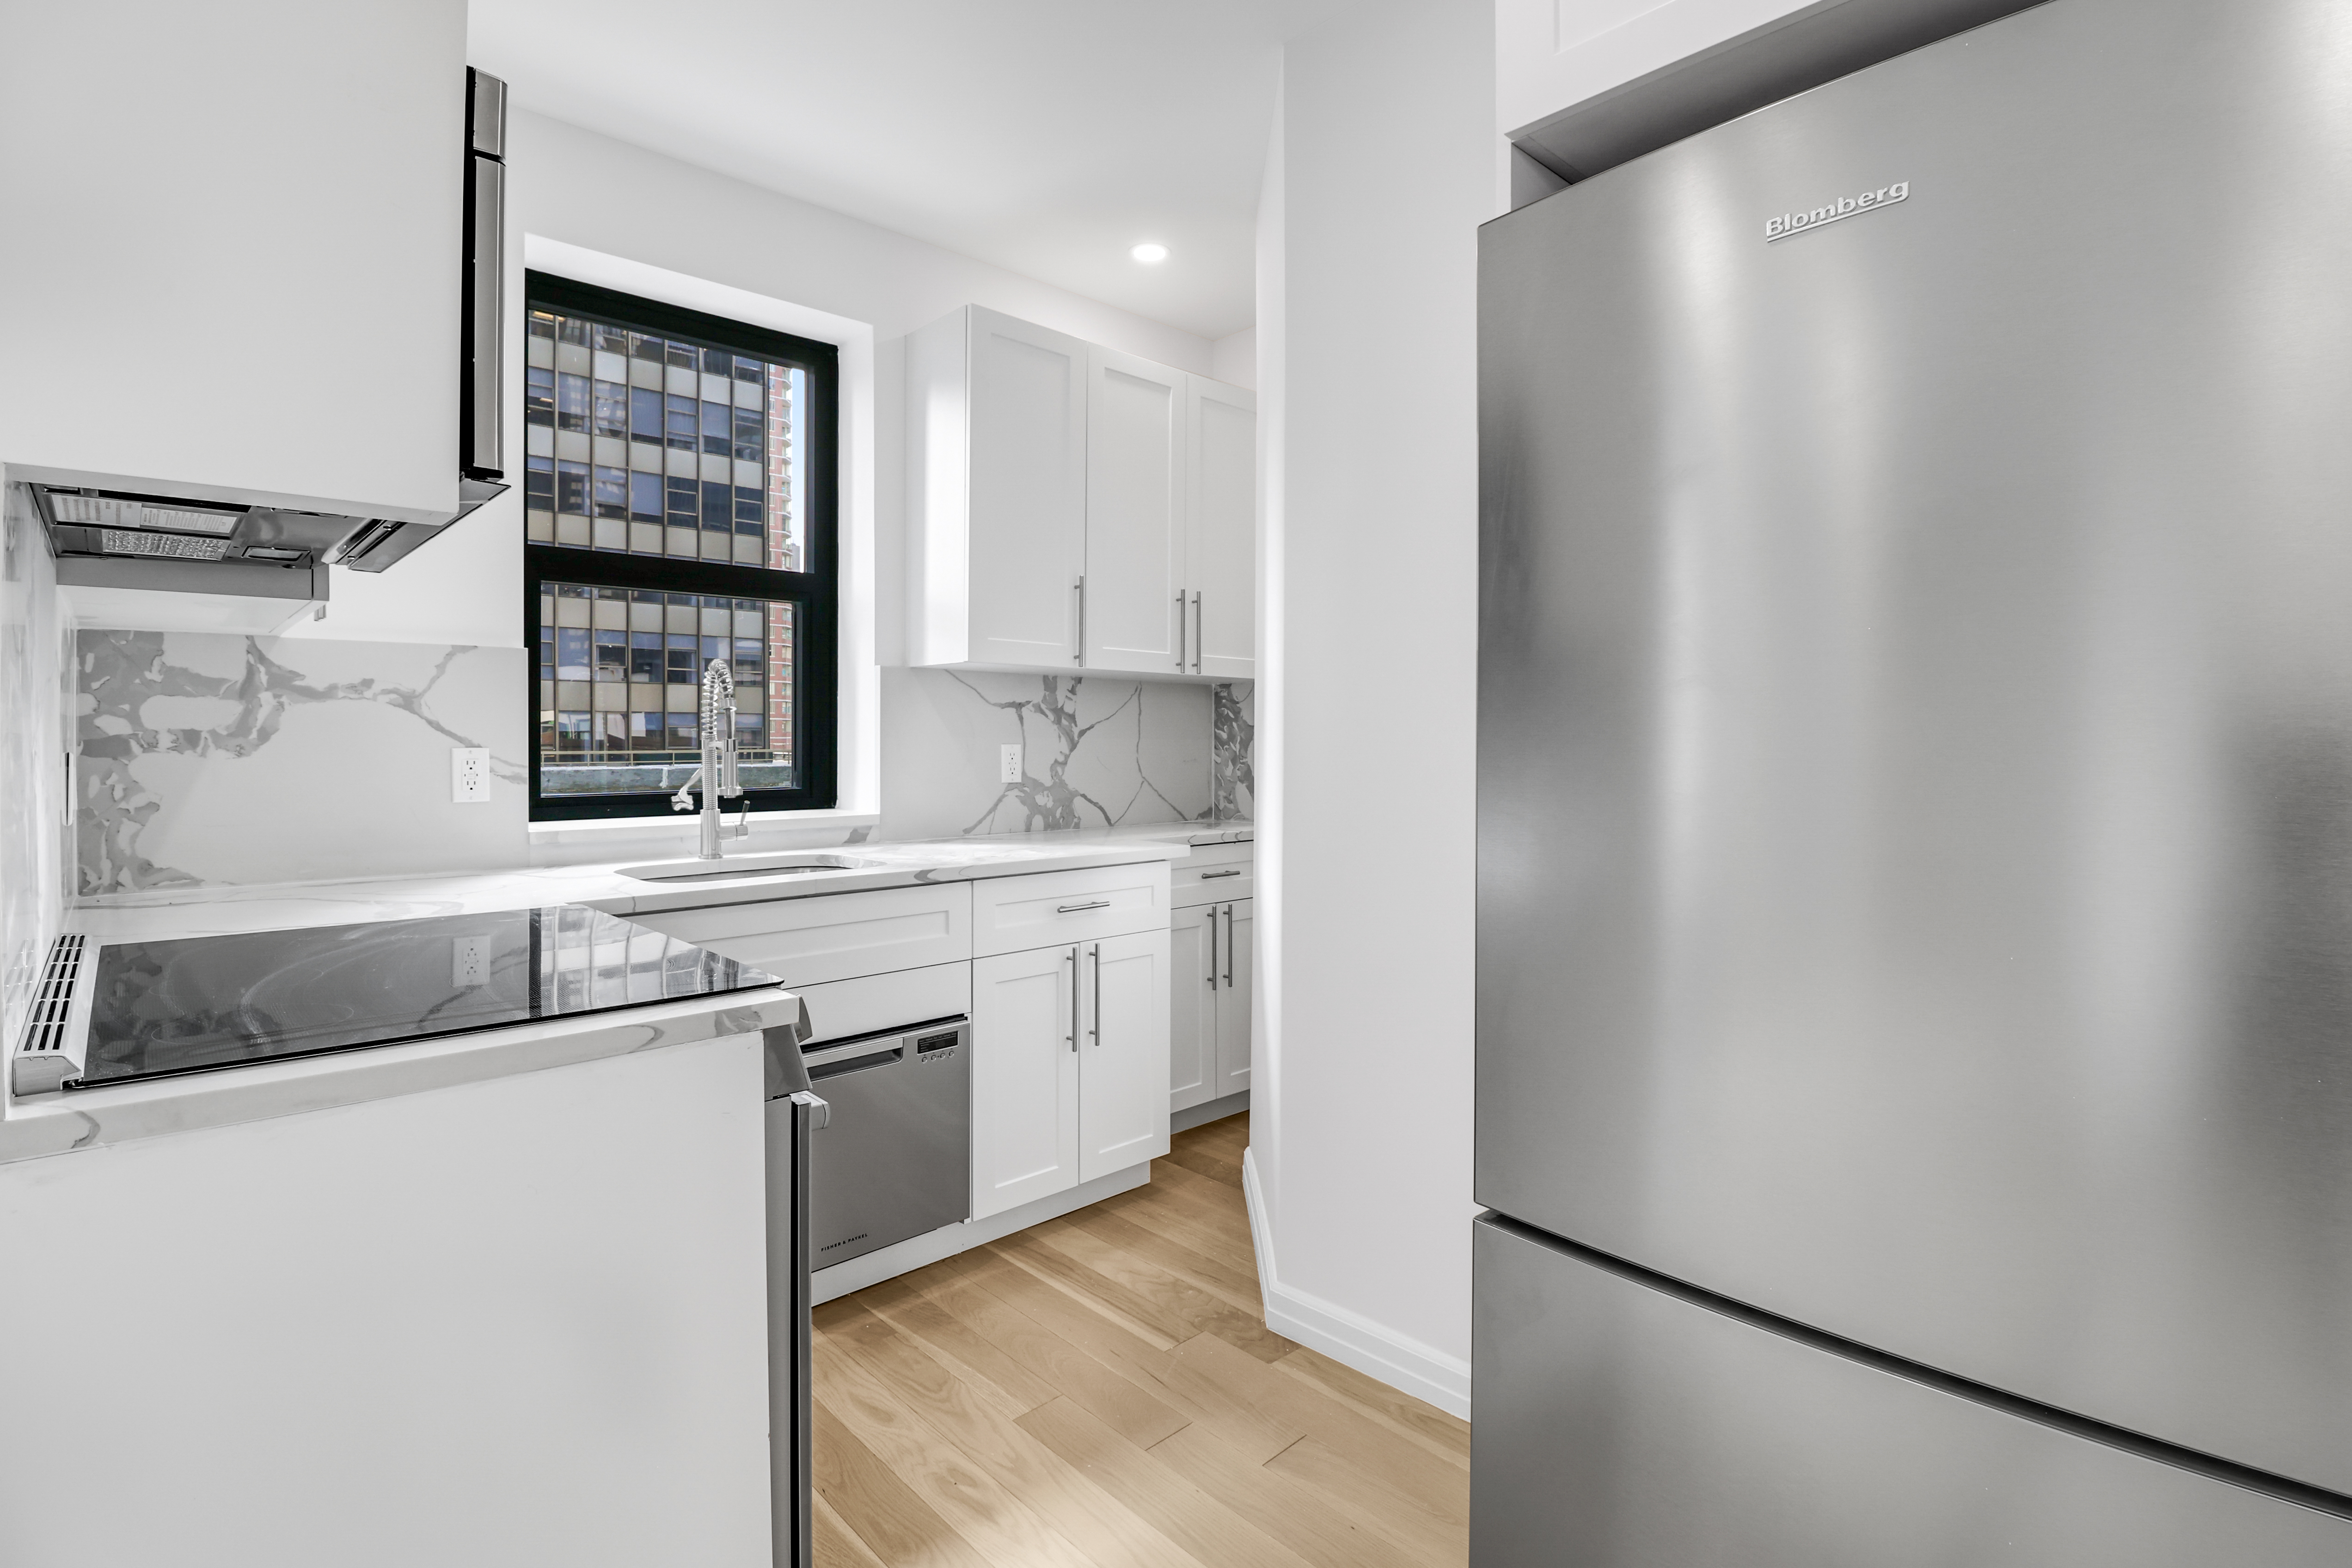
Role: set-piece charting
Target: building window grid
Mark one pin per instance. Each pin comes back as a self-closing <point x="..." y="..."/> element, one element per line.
<point x="643" y="444"/>
<point x="619" y="673"/>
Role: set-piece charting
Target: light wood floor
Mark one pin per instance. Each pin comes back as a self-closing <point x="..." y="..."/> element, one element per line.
<point x="1101" y="1390"/>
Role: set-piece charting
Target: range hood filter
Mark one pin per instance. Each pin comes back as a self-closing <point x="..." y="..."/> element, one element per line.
<point x="177" y="546"/>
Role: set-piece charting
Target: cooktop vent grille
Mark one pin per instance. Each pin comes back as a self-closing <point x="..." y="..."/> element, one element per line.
<point x="41" y="1064"/>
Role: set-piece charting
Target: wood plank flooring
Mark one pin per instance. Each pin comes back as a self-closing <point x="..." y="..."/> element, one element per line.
<point x="1102" y="1391"/>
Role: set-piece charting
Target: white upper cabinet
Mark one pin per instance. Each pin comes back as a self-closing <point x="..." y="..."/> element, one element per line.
<point x="238" y="252"/>
<point x="1135" y="513"/>
<point x="1219" y="489"/>
<point x="996" y="413"/>
<point x="1073" y="507"/>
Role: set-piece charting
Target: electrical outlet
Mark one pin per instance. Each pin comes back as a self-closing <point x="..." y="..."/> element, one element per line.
<point x="469" y="774"/>
<point x="469" y="962"/>
<point x="1008" y="765"/>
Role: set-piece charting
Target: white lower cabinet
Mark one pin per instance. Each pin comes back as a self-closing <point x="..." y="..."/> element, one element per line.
<point x="1068" y="1047"/>
<point x="1192" y="1008"/>
<point x="1024" y="1078"/>
<point x="1208" y="1008"/>
<point x="1122" y="1115"/>
<point x="1233" y="975"/>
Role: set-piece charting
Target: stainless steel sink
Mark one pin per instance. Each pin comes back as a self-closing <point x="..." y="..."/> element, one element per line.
<point x="792" y="865"/>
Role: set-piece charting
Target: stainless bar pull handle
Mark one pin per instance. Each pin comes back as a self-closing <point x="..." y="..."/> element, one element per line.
<point x="484" y="388"/>
<point x="1229" y="946"/>
<point x="1079" y="652"/>
<point x="1073" y="1000"/>
<point x="1179" y="628"/>
<point x="1199" y="631"/>
<point x="1213" y="876"/>
<point x="1097" y="1030"/>
<point x="1213" y="946"/>
<point x="1073" y="909"/>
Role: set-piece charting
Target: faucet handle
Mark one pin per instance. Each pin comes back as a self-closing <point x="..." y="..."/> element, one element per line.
<point x="743" y="820"/>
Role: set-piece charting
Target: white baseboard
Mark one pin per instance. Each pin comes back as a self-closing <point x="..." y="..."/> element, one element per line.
<point x="1403" y="1364"/>
<point x="904" y="1256"/>
<point x="1207" y="1111"/>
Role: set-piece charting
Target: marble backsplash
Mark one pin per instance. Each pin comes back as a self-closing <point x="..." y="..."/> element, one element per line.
<point x="212" y="758"/>
<point x="1097" y="752"/>
<point x="208" y="759"/>
<point x="1233" y="738"/>
<point x="34" y="656"/>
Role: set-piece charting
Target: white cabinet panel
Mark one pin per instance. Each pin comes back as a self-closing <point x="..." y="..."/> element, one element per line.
<point x="1236" y="966"/>
<point x="1135" y="513"/>
<point x="996" y="415"/>
<point x="1024" y="1078"/>
<point x="841" y="1008"/>
<point x="1213" y="874"/>
<point x="1192" y="985"/>
<point x="806" y="940"/>
<point x="1123" y="1106"/>
<point x="266" y="207"/>
<point x="1010" y="913"/>
<point x="477" y="1295"/>
<point x="1219" y="494"/>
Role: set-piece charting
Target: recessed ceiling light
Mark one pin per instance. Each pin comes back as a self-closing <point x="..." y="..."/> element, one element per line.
<point x="1148" y="251"/>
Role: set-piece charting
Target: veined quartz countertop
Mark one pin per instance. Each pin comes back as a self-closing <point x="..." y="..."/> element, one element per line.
<point x="170" y="912"/>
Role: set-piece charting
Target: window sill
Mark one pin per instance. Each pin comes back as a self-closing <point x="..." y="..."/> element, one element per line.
<point x="686" y="823"/>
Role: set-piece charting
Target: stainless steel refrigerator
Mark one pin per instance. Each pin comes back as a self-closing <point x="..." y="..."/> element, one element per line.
<point x="1915" y="944"/>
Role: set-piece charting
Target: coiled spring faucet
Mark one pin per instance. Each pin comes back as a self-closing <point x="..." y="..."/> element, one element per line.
<point x="717" y="775"/>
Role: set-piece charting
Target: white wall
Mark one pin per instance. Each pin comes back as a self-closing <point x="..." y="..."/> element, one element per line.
<point x="1383" y="168"/>
<point x="240" y="263"/>
<point x="1234" y="358"/>
<point x="1550" y="54"/>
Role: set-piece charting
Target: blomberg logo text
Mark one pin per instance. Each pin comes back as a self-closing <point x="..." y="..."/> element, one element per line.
<point x="1787" y="224"/>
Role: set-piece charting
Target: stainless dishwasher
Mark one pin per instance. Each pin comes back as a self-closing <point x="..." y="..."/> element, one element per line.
<point x="895" y="1161"/>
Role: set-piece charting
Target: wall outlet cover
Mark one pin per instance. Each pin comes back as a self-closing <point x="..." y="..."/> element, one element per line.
<point x="469" y="962"/>
<point x="1008" y="765"/>
<point x="469" y="774"/>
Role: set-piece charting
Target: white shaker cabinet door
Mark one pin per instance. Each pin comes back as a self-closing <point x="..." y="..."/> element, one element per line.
<point x="1135" y="514"/>
<point x="1192" y="1007"/>
<point x="1024" y="1078"/>
<point x="1221" y="527"/>
<point x="1027" y="429"/>
<point x="1123" y="1098"/>
<point x="1236" y="933"/>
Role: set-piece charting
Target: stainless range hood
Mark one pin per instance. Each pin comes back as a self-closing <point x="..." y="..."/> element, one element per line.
<point x="202" y="539"/>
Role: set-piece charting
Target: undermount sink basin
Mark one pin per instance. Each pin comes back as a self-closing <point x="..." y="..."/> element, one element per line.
<point x="794" y="865"/>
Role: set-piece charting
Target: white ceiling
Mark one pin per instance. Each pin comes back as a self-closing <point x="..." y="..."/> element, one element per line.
<point x="1046" y="136"/>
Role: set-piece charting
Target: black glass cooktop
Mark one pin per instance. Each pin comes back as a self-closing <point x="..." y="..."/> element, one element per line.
<point x="166" y="1008"/>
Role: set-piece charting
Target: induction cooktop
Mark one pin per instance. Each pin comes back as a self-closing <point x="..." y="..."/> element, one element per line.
<point x="201" y="1004"/>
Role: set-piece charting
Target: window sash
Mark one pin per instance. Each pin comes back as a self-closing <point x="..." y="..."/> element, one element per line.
<point x="813" y="592"/>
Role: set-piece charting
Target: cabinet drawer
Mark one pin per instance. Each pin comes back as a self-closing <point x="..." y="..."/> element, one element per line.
<point x="1216" y="874"/>
<point x="1012" y="914"/>
<point x="838" y="936"/>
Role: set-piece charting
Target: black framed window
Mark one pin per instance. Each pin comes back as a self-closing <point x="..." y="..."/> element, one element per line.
<point x="678" y="507"/>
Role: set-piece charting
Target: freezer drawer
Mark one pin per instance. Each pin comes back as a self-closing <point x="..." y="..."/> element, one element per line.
<point x="1622" y="1427"/>
<point x="1915" y="715"/>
